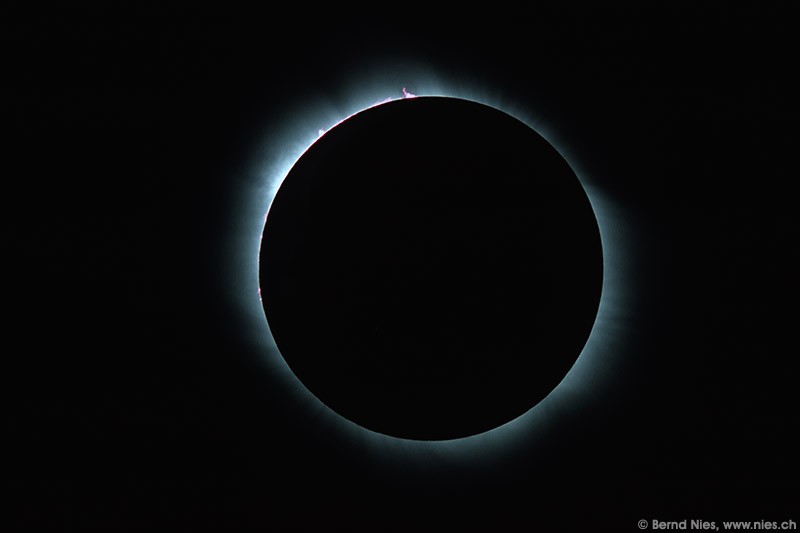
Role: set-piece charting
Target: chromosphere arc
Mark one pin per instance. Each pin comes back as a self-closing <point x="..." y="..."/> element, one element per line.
<point x="431" y="268"/>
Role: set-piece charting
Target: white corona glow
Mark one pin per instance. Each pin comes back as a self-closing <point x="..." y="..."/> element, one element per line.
<point x="592" y="374"/>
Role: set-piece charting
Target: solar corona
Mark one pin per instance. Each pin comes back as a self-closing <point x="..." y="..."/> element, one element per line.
<point x="303" y="132"/>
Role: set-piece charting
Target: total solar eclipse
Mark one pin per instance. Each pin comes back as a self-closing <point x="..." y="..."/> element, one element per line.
<point x="431" y="268"/>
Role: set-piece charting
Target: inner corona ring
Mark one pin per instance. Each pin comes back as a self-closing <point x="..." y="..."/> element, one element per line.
<point x="430" y="268"/>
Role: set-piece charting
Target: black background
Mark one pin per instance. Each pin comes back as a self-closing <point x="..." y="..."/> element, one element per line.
<point x="133" y="400"/>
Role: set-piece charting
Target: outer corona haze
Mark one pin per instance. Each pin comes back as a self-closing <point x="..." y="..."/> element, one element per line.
<point x="283" y="144"/>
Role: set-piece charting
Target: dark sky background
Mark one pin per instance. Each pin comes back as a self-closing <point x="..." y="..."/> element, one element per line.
<point x="134" y="398"/>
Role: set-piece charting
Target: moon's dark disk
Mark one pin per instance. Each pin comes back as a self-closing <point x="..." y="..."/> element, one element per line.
<point x="431" y="268"/>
